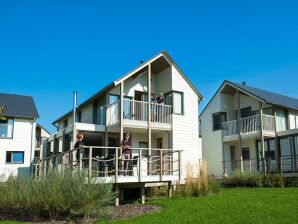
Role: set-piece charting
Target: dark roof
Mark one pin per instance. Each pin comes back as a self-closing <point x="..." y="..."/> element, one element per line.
<point x="18" y="106"/>
<point x="269" y="97"/>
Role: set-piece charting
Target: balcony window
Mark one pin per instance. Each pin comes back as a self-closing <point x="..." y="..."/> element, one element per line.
<point x="6" y="127"/>
<point x="15" y="157"/>
<point x="218" y="119"/>
<point x="245" y="154"/>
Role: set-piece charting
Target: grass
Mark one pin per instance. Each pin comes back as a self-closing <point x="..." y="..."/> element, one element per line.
<point x="240" y="205"/>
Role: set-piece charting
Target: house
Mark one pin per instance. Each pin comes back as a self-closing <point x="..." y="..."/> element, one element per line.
<point x="18" y="116"/>
<point x="123" y="107"/>
<point x="41" y="134"/>
<point x="249" y="129"/>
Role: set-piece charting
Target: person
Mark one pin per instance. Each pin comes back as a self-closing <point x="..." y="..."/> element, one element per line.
<point x="125" y="153"/>
<point x="152" y="107"/>
<point x="160" y="100"/>
<point x="79" y="143"/>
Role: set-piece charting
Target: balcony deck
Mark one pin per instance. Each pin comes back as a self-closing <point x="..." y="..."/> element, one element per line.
<point x="249" y="128"/>
<point x="106" y="164"/>
<point x="135" y="115"/>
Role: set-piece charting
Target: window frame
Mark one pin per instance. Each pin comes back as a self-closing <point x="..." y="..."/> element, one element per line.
<point x="172" y="101"/>
<point x="218" y="113"/>
<point x="11" y="152"/>
<point x="12" y="129"/>
<point x="245" y="149"/>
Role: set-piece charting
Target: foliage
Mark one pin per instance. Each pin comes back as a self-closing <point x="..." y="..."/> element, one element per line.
<point x="64" y="194"/>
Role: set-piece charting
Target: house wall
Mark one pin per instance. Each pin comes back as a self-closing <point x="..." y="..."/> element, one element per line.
<point x="212" y="140"/>
<point x="23" y="140"/>
<point x="163" y="81"/>
<point x="185" y="133"/>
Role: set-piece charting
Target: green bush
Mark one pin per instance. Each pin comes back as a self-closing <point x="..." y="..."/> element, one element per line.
<point x="291" y="181"/>
<point x="64" y="194"/>
<point x="254" y="179"/>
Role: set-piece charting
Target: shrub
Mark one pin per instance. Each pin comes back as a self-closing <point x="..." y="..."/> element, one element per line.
<point x="55" y="194"/>
<point x="291" y="181"/>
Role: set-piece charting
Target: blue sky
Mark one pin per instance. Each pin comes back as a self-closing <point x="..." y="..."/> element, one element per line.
<point x="50" y="48"/>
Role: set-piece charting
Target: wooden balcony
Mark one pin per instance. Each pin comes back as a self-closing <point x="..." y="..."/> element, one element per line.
<point x="249" y="127"/>
<point x="106" y="164"/>
<point x="135" y="115"/>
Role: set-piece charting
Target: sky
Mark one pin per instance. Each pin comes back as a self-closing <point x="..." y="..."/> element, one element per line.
<point x="48" y="49"/>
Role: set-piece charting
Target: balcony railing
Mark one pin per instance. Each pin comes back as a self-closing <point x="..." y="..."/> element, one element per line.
<point x="249" y="125"/>
<point x="135" y="113"/>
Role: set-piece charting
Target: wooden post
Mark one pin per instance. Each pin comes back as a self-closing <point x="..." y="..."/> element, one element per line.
<point x="116" y="165"/>
<point x="249" y="165"/>
<point x="262" y="138"/>
<point x="81" y="159"/>
<point x="121" y="109"/>
<point x="106" y="128"/>
<point x="239" y="120"/>
<point x="140" y="165"/>
<point x="90" y="165"/>
<point x="161" y="165"/>
<point x="149" y="118"/>
<point x="117" y="192"/>
<point x="277" y="155"/>
<point x="143" y="194"/>
<point x="179" y="165"/>
<point x="170" y="189"/>
<point x="241" y="163"/>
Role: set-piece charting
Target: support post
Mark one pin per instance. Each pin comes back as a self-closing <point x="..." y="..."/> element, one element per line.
<point x="90" y="165"/>
<point x="121" y="109"/>
<point x="106" y="128"/>
<point x="140" y="165"/>
<point x="149" y="118"/>
<point x="241" y="163"/>
<point x="116" y="165"/>
<point x="170" y="189"/>
<point x="262" y="138"/>
<point x="277" y="153"/>
<point x="179" y="165"/>
<point x="239" y="120"/>
<point x="161" y="165"/>
<point x="143" y="198"/>
<point x="117" y="195"/>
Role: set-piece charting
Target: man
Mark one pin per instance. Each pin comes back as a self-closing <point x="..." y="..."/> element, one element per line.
<point x="125" y="153"/>
<point x="160" y="100"/>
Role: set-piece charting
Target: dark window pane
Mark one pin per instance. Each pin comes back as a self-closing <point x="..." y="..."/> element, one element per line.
<point x="245" y="154"/>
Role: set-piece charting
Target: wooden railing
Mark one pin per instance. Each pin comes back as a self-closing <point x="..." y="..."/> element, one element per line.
<point x="109" y="162"/>
<point x="135" y="113"/>
<point x="248" y="125"/>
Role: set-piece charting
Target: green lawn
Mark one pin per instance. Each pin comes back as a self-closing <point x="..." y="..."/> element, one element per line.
<point x="242" y="205"/>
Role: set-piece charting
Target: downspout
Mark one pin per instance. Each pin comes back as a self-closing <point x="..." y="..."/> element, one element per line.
<point x="74" y="107"/>
<point x="31" y="148"/>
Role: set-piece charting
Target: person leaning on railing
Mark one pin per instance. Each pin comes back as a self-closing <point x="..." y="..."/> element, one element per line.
<point x="125" y="153"/>
<point x="160" y="100"/>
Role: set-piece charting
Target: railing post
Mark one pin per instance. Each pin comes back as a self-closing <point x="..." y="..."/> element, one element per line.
<point x="90" y="165"/>
<point x="161" y="165"/>
<point x="80" y="159"/>
<point x="140" y="165"/>
<point x="179" y="164"/>
<point x="241" y="164"/>
<point x="116" y="165"/>
<point x="250" y="166"/>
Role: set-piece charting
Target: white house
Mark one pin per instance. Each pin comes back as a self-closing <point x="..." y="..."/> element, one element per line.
<point x="17" y="134"/>
<point x="122" y="106"/>
<point x="250" y="129"/>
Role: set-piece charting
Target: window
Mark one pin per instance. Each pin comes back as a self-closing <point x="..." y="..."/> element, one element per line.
<point x="245" y="154"/>
<point x="218" y="119"/>
<point x="6" y="127"/>
<point x="65" y="123"/>
<point x="175" y="99"/>
<point x="15" y="157"/>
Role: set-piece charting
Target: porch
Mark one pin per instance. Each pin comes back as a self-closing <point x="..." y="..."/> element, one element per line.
<point x="106" y="165"/>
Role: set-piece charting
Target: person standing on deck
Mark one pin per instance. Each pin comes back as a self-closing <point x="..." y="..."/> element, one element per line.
<point x="152" y="107"/>
<point x="160" y="100"/>
<point x="125" y="153"/>
<point x="79" y="144"/>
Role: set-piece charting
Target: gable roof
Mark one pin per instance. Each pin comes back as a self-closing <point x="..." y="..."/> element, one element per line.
<point x="261" y="95"/>
<point x="269" y="97"/>
<point x="18" y="106"/>
<point x="139" y="68"/>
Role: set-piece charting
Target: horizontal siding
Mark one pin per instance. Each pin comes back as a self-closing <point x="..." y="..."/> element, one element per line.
<point x="185" y="127"/>
<point x="22" y="141"/>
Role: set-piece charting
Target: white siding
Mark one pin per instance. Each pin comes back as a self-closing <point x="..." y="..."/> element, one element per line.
<point x="163" y="81"/>
<point x="212" y="140"/>
<point x="185" y="127"/>
<point x="23" y="140"/>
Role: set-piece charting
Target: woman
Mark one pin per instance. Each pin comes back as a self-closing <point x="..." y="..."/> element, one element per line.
<point x="125" y="153"/>
<point x="78" y="145"/>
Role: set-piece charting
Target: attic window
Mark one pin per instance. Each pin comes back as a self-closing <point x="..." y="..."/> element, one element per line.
<point x="6" y="127"/>
<point x="218" y="119"/>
